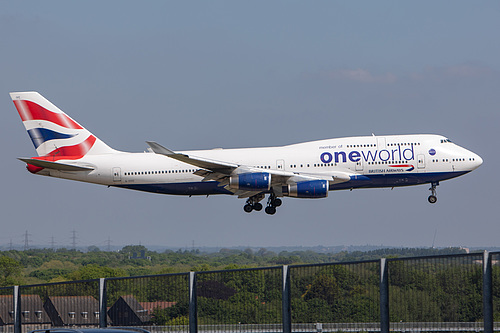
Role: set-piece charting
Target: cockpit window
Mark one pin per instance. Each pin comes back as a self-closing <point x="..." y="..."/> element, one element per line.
<point x="445" y="140"/>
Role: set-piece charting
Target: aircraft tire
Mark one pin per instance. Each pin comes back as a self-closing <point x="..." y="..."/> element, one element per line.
<point x="271" y="210"/>
<point x="257" y="206"/>
<point x="248" y="208"/>
<point x="277" y="202"/>
<point x="432" y="199"/>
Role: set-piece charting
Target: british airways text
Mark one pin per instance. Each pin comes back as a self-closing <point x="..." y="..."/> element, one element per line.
<point x="396" y="154"/>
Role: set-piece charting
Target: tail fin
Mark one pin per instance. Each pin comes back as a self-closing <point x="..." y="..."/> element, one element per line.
<point x="53" y="132"/>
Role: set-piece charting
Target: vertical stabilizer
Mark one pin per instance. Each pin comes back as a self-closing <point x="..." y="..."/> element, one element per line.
<point x="53" y="132"/>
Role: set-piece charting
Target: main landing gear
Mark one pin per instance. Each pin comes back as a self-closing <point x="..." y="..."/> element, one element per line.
<point x="433" y="198"/>
<point x="254" y="204"/>
<point x="272" y="203"/>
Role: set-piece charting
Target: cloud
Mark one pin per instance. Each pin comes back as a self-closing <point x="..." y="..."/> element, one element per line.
<point x="460" y="71"/>
<point x="429" y="74"/>
<point x="360" y="75"/>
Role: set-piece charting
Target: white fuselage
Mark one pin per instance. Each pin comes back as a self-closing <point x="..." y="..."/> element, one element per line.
<point x="370" y="161"/>
<point x="306" y="170"/>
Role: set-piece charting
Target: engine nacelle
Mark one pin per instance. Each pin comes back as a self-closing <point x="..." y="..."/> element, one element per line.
<point x="258" y="181"/>
<point x="309" y="189"/>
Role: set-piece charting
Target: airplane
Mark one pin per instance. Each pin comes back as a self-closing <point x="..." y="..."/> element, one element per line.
<point x="304" y="170"/>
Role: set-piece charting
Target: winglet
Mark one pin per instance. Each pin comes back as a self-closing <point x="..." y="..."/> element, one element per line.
<point x="159" y="149"/>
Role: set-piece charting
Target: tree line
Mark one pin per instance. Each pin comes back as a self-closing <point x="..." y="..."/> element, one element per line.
<point x="423" y="290"/>
<point x="36" y="266"/>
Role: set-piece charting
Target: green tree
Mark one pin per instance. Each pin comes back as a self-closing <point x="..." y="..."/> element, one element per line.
<point x="323" y="287"/>
<point x="93" y="248"/>
<point x="131" y="249"/>
<point x="10" y="271"/>
<point x="92" y="271"/>
<point x="175" y="315"/>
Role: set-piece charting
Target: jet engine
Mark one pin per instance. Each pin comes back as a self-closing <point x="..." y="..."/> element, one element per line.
<point x="309" y="189"/>
<point x="259" y="181"/>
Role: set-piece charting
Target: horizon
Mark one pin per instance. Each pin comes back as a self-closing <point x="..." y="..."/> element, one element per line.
<point x="215" y="249"/>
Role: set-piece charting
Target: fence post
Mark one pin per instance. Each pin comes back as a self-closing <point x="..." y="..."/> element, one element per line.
<point x="102" y="303"/>
<point x="17" y="310"/>
<point x="384" y="297"/>
<point x="487" y="293"/>
<point x="287" y="311"/>
<point x="193" y="306"/>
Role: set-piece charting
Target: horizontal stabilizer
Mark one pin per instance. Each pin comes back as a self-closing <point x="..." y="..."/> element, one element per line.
<point x="54" y="165"/>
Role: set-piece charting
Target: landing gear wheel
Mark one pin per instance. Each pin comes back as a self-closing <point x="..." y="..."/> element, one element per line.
<point x="253" y="203"/>
<point x="271" y="210"/>
<point x="433" y="197"/>
<point x="272" y="203"/>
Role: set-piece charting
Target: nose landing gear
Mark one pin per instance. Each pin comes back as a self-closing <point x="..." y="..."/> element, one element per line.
<point x="433" y="197"/>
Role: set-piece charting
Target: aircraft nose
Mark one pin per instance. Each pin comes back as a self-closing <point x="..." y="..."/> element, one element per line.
<point x="477" y="161"/>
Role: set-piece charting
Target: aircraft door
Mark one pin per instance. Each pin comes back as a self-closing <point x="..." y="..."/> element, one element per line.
<point x="359" y="165"/>
<point x="117" y="174"/>
<point x="421" y="161"/>
<point x="381" y="142"/>
<point x="280" y="165"/>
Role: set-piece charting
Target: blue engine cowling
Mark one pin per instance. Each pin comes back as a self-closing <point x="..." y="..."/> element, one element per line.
<point x="259" y="181"/>
<point x="309" y="189"/>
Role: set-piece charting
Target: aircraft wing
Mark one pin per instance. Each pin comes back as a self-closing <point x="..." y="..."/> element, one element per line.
<point x="221" y="171"/>
<point x="215" y="166"/>
<point x="214" y="170"/>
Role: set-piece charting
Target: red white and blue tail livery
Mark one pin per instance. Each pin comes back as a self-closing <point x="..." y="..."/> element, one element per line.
<point x="67" y="150"/>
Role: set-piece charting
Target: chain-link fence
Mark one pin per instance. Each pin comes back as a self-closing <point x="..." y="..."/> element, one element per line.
<point x="160" y="300"/>
<point x="495" y="292"/>
<point x="60" y="304"/>
<point x="436" y="292"/>
<point x="7" y="310"/>
<point x="335" y="297"/>
<point x="426" y="294"/>
<point x="239" y="300"/>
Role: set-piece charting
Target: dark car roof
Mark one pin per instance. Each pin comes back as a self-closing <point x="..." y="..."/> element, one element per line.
<point x="92" y="330"/>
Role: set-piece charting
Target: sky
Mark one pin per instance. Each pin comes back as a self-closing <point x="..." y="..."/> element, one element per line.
<point x="207" y="74"/>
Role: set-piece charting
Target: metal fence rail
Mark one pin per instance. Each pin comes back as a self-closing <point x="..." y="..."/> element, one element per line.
<point x="452" y="293"/>
<point x="494" y="291"/>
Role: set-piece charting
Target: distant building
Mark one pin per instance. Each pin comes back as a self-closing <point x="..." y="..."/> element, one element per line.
<point x="32" y="312"/>
<point x="128" y="311"/>
<point x="143" y="256"/>
<point x="151" y="306"/>
<point x="72" y="310"/>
